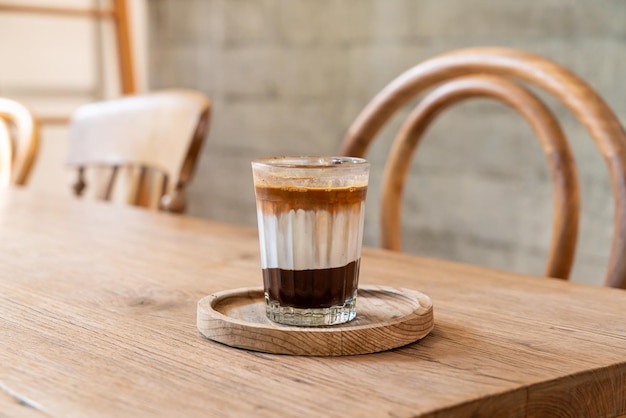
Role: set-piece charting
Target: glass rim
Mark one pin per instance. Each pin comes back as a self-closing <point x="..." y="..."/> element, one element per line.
<point x="311" y="162"/>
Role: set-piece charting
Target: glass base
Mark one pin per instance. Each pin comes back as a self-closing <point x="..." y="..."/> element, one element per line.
<point x="312" y="317"/>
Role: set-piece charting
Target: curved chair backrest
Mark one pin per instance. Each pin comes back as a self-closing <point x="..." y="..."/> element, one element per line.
<point x="21" y="139"/>
<point x="6" y="154"/>
<point x="156" y="132"/>
<point x="495" y="72"/>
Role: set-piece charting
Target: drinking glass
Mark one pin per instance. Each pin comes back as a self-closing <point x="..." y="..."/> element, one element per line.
<point x="310" y="214"/>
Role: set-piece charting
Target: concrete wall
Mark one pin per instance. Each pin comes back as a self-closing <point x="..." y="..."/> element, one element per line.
<point x="289" y="76"/>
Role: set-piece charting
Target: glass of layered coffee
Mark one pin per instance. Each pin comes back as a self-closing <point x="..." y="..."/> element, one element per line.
<point x="310" y="215"/>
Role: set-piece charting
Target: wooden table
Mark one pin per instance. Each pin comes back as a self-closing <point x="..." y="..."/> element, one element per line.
<point x="98" y="318"/>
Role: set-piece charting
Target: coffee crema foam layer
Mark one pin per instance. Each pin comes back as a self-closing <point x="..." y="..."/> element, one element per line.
<point x="327" y="234"/>
<point x="284" y="199"/>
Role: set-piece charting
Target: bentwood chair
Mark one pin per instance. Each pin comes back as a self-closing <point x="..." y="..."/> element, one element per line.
<point x="501" y="74"/>
<point x="144" y="145"/>
<point x="19" y="142"/>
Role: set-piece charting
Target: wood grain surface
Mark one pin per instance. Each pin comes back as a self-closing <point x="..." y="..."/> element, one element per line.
<point x="386" y="318"/>
<point x="98" y="318"/>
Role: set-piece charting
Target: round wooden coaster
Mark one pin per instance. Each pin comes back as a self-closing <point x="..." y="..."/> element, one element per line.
<point x="386" y="318"/>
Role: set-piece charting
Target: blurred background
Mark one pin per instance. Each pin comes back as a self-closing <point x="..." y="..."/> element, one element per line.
<point x="290" y="76"/>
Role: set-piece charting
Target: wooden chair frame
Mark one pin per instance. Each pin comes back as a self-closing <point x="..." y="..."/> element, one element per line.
<point x="555" y="146"/>
<point x="6" y="154"/>
<point x="117" y="13"/>
<point x="24" y="144"/>
<point x="577" y="95"/>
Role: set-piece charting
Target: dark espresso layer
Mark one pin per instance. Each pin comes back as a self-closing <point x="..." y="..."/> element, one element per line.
<point x="320" y="288"/>
<point x="278" y="199"/>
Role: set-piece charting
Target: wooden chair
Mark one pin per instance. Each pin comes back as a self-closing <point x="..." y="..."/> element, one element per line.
<point x="154" y="135"/>
<point x="19" y="142"/>
<point x="6" y="154"/>
<point x="498" y="73"/>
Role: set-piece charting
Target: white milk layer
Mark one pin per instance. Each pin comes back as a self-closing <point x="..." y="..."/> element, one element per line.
<point x="304" y="240"/>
